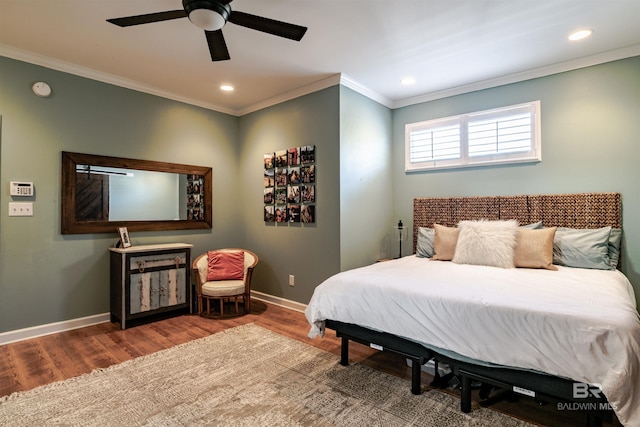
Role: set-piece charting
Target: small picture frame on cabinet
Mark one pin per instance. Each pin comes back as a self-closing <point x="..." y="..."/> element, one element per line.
<point x="125" y="241"/>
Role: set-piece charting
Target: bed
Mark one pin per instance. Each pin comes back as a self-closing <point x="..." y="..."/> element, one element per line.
<point x="565" y="332"/>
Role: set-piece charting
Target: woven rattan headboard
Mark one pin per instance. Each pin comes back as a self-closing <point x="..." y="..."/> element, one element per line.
<point x="585" y="210"/>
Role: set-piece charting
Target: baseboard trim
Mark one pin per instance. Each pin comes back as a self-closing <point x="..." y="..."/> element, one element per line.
<point x="52" y="328"/>
<point x="282" y="302"/>
<point x="68" y="325"/>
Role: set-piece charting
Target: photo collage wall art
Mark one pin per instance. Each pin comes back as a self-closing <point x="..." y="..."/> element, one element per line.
<point x="195" y="197"/>
<point x="290" y="185"/>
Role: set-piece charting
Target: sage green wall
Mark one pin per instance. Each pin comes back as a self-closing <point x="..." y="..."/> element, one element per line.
<point x="589" y="135"/>
<point x="311" y="252"/>
<point x="366" y="216"/>
<point x="590" y="128"/>
<point x="47" y="277"/>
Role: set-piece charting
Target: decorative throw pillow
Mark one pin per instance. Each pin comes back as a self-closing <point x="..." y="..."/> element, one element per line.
<point x="582" y="248"/>
<point x="424" y="246"/>
<point x="534" y="248"/>
<point x="444" y="242"/>
<point x="225" y="265"/>
<point x="488" y="243"/>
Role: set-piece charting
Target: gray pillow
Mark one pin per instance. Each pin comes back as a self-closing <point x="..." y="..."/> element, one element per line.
<point x="614" y="247"/>
<point x="424" y="246"/>
<point x="583" y="248"/>
<point x="534" y="226"/>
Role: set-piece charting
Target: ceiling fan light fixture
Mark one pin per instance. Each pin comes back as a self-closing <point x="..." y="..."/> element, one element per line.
<point x="206" y="19"/>
<point x="206" y="14"/>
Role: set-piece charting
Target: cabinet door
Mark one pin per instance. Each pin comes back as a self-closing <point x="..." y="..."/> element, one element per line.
<point x="173" y="287"/>
<point x="157" y="289"/>
<point x="140" y="292"/>
<point x="154" y="302"/>
<point x="179" y="285"/>
<point x="176" y="287"/>
<point x="165" y="288"/>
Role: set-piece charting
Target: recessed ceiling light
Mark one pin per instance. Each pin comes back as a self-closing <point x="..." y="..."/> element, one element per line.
<point x="226" y="88"/>
<point x="408" y="81"/>
<point x="580" y="34"/>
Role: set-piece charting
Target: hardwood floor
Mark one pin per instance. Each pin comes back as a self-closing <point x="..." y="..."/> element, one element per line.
<point x="31" y="363"/>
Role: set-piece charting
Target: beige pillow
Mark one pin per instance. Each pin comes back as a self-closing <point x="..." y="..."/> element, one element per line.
<point x="444" y="242"/>
<point x="534" y="248"/>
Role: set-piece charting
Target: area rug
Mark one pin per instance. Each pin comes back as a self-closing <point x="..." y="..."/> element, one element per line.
<point x="244" y="376"/>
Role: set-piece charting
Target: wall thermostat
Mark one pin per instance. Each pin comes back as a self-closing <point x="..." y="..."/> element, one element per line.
<point x="21" y="188"/>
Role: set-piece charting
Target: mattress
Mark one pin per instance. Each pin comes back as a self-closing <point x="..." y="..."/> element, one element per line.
<point x="574" y="323"/>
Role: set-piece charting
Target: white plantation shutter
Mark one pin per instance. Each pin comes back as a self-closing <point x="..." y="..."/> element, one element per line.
<point x="504" y="135"/>
<point x="435" y="142"/>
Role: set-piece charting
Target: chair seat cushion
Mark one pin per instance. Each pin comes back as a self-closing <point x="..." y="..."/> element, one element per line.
<point x="223" y="288"/>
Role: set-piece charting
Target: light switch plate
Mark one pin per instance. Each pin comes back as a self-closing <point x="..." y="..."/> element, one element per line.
<point x="20" y="209"/>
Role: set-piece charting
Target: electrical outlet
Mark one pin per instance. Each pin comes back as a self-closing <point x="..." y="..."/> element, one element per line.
<point x="292" y="280"/>
<point x="21" y="209"/>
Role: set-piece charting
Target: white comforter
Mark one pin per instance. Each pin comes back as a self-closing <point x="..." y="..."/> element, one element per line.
<point x="574" y="323"/>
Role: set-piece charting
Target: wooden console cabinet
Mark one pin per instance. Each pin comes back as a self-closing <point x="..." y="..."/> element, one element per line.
<point x="149" y="280"/>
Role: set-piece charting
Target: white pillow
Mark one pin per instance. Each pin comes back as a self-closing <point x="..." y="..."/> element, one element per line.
<point x="489" y="243"/>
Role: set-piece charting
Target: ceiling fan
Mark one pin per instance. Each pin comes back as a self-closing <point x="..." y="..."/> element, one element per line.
<point x="211" y="15"/>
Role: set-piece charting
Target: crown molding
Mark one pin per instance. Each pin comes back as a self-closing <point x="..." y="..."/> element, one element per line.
<point x="323" y="83"/>
<point x="326" y="82"/>
<point x="89" y="73"/>
<point x="352" y="84"/>
<point x="333" y="80"/>
<point x="343" y="79"/>
<point x="561" y="67"/>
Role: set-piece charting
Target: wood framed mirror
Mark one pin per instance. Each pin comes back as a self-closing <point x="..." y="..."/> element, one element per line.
<point x="102" y="193"/>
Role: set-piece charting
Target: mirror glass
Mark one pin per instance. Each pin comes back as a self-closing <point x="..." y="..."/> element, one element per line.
<point x="110" y="192"/>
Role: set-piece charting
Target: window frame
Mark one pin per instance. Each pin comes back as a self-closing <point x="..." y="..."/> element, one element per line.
<point x="465" y="160"/>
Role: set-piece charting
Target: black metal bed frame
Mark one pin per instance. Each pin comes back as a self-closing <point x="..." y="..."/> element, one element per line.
<point x="540" y="386"/>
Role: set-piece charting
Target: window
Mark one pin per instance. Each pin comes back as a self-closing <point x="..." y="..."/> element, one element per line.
<point x="504" y="135"/>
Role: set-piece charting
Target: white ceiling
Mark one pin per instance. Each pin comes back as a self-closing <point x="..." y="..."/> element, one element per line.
<point x="448" y="46"/>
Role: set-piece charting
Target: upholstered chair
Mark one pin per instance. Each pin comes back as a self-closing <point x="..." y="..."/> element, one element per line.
<point x="224" y="275"/>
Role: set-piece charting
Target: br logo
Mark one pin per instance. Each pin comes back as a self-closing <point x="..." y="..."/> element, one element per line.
<point x="585" y="391"/>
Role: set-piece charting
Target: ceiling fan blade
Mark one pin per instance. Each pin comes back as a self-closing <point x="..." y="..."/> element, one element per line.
<point x="217" y="45"/>
<point x="266" y="25"/>
<point x="148" y="18"/>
